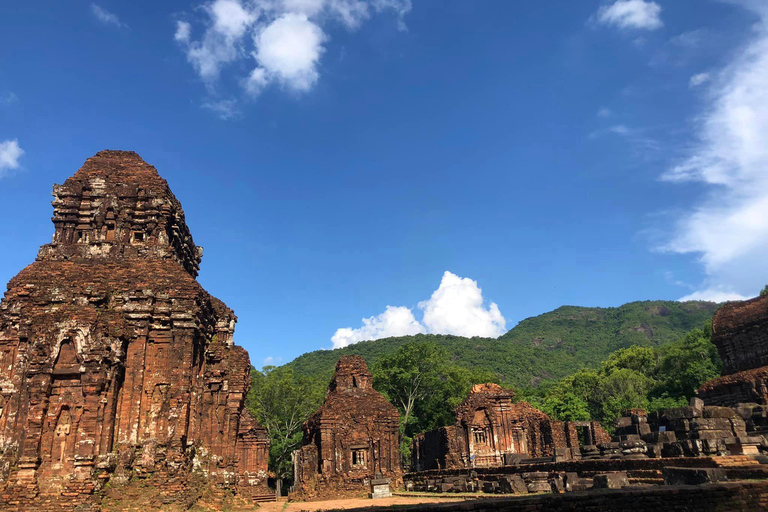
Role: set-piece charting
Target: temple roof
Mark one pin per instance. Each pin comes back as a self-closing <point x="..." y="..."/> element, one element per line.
<point x="120" y="167"/>
<point x="116" y="206"/>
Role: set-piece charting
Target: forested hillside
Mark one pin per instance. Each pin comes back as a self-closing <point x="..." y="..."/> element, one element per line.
<point x="548" y="346"/>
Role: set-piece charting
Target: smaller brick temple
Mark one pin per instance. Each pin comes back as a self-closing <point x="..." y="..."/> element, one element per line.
<point x="492" y="430"/>
<point x="740" y="332"/>
<point x="352" y="439"/>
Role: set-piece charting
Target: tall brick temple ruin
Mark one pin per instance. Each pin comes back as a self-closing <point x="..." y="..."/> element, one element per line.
<point x="114" y="361"/>
<point x="740" y="332"/>
<point x="352" y="439"/>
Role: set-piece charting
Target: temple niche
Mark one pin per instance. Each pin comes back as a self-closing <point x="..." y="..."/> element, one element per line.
<point x="352" y="440"/>
<point x="114" y="361"/>
<point x="493" y="430"/>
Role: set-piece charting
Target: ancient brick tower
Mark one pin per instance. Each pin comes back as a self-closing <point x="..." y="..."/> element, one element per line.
<point x="113" y="359"/>
<point x="740" y="332"/>
<point x="351" y="439"/>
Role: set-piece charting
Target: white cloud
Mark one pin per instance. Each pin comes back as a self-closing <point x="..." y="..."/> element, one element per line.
<point x="713" y="295"/>
<point x="106" y="17"/>
<point x="183" y="31"/>
<point x="284" y="37"/>
<point x="698" y="79"/>
<point x="271" y="361"/>
<point x="288" y="50"/>
<point x="10" y="152"/>
<point x="631" y="14"/>
<point x="728" y="228"/>
<point x="395" y="321"/>
<point x="456" y="307"/>
<point x="224" y="109"/>
<point x="604" y="113"/>
<point x="230" y="18"/>
<point x="641" y="143"/>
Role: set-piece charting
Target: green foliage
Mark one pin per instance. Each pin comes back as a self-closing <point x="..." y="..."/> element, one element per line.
<point x="423" y="383"/>
<point x="567" y="407"/>
<point x="764" y="291"/>
<point x="635" y="377"/>
<point x="282" y="401"/>
<point x="546" y="347"/>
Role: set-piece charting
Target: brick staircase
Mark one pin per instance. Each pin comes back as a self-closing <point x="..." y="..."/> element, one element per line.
<point x="264" y="498"/>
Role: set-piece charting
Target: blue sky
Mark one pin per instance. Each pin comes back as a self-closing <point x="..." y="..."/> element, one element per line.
<point x="425" y="165"/>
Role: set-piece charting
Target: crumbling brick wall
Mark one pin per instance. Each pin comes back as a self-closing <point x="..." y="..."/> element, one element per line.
<point x="740" y="332"/>
<point x="352" y="438"/>
<point x="114" y="361"/>
<point x="489" y="425"/>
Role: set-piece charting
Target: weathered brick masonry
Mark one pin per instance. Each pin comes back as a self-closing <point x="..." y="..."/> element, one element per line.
<point x="490" y="428"/>
<point x="740" y="332"/>
<point x="353" y="438"/>
<point x="114" y="361"/>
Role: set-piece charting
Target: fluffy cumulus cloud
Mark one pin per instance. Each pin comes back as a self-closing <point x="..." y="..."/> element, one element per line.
<point x="288" y="51"/>
<point x="630" y="14"/>
<point x="105" y="17"/>
<point x="728" y="228"/>
<point x="10" y="153"/>
<point x="282" y="40"/>
<point x="456" y="307"/>
<point x="395" y="321"/>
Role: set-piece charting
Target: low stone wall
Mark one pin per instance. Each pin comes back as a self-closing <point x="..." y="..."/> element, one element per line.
<point x="728" y="497"/>
<point x="471" y="480"/>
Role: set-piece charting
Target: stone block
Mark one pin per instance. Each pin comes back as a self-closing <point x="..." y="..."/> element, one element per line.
<point x="660" y="437"/>
<point x="697" y="405"/>
<point x="711" y="423"/>
<point x="654" y="451"/>
<point x="678" y="413"/>
<point x="537" y="482"/>
<point x="513" y="459"/>
<point x="613" y="480"/>
<point x="719" y="412"/>
<point x="380" y="488"/>
<point x="693" y="476"/>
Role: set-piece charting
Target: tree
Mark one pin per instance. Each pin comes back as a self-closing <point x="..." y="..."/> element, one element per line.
<point x="282" y="402"/>
<point x="688" y="363"/>
<point x="421" y="381"/>
<point x="566" y="407"/>
<point x="643" y="360"/>
<point x="622" y="389"/>
<point x="409" y="375"/>
<point x="764" y="291"/>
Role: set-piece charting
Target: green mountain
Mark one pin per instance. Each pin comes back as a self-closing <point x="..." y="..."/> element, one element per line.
<point x="548" y="346"/>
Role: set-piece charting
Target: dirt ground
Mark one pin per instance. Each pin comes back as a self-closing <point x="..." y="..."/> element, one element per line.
<point x="316" y="506"/>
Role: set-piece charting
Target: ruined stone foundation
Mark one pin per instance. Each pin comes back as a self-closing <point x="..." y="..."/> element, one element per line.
<point x="115" y="364"/>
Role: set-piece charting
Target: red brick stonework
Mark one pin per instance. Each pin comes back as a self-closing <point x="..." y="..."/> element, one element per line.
<point x="114" y="362"/>
<point x="491" y="428"/>
<point x="351" y="439"/>
<point x="740" y="332"/>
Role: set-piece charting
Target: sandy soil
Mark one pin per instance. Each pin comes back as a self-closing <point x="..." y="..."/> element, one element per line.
<point x="316" y="506"/>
